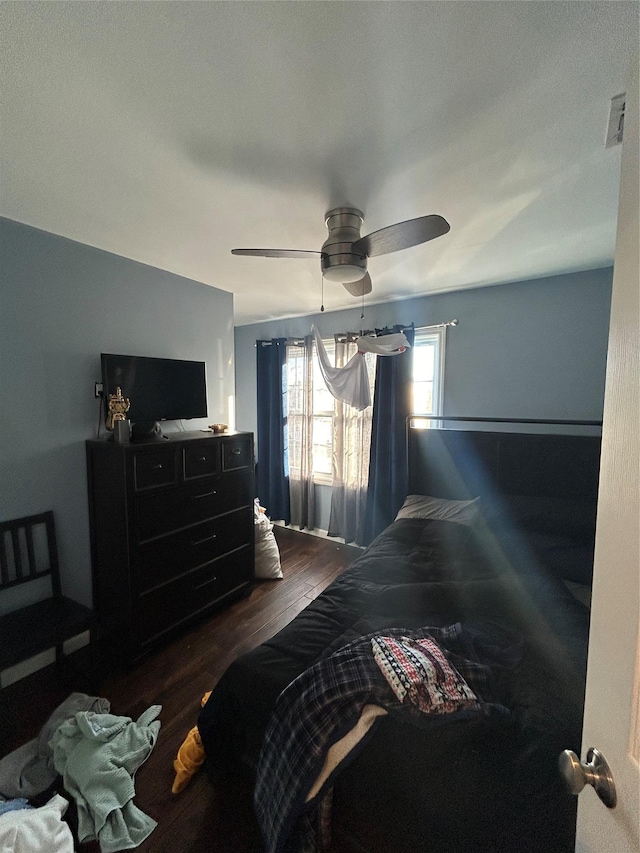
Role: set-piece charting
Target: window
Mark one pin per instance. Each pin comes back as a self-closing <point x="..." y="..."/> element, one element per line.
<point x="428" y="370"/>
<point x="309" y="410"/>
<point x="322" y="418"/>
<point x="294" y="408"/>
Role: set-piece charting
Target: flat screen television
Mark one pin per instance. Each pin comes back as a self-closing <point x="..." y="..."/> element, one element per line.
<point x="159" y="389"/>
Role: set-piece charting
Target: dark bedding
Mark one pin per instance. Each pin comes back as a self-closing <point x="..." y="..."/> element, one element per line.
<point x="470" y="783"/>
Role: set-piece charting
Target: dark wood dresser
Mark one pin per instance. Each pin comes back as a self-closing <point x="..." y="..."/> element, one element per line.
<point x="172" y="534"/>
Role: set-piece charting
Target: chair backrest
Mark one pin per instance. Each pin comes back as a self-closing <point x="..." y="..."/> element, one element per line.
<point x="28" y="551"/>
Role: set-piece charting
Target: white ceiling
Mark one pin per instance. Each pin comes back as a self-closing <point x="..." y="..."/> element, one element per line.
<point x="172" y="132"/>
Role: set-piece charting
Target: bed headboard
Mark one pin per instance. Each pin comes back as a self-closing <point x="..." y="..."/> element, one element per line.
<point x="465" y="458"/>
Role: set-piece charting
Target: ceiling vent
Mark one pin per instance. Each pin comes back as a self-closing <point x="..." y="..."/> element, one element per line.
<point x="615" y="127"/>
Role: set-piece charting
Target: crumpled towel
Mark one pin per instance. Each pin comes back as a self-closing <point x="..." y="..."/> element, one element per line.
<point x="37" y="830"/>
<point x="98" y="755"/>
<point x="190" y="756"/>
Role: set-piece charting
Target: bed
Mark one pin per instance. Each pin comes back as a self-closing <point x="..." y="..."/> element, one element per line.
<point x="490" y="560"/>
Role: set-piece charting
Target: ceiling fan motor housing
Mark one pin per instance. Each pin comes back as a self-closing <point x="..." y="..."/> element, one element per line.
<point x="339" y="262"/>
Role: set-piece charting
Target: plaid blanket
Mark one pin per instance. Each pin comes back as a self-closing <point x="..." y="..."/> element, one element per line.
<point x="325" y="702"/>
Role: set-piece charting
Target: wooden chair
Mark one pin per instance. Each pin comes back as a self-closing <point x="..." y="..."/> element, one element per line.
<point x="29" y="555"/>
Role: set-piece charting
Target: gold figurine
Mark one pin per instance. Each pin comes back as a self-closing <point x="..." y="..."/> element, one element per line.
<point x="118" y="408"/>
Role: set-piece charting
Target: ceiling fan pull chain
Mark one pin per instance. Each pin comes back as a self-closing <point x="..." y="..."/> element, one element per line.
<point x="362" y="315"/>
<point x="322" y="294"/>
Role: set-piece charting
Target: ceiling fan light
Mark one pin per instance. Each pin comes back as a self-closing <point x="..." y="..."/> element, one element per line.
<point x="344" y="272"/>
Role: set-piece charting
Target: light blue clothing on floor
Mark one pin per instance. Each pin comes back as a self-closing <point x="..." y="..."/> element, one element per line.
<point x="98" y="755"/>
<point x="14" y="805"/>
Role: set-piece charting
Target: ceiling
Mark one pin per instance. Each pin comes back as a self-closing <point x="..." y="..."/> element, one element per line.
<point x="172" y="132"/>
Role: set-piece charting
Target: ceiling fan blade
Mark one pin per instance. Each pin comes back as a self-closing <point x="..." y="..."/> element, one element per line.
<point x="360" y="287"/>
<point x="402" y="235"/>
<point x="276" y="253"/>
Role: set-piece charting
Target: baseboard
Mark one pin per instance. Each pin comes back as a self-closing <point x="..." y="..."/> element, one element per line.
<point x="316" y="531"/>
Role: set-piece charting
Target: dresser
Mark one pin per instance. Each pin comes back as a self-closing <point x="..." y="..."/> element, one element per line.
<point x="172" y="536"/>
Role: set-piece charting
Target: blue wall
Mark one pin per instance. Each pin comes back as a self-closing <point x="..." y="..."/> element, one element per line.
<point x="529" y="349"/>
<point x="62" y="304"/>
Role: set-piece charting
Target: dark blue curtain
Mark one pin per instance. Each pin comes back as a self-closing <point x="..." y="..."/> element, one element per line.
<point x="392" y="403"/>
<point x="272" y="474"/>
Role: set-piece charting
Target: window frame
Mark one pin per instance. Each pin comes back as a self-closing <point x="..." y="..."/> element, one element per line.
<point x="423" y="336"/>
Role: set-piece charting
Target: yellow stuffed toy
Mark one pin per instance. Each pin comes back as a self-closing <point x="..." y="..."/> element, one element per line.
<point x="190" y="757"/>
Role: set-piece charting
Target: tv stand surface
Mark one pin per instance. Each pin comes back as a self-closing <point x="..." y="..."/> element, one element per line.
<point x="181" y="435"/>
<point x="145" y="431"/>
<point x="172" y="534"/>
<point x="200" y="433"/>
<point x="188" y="435"/>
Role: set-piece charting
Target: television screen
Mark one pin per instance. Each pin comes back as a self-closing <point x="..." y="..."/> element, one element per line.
<point x="159" y="389"/>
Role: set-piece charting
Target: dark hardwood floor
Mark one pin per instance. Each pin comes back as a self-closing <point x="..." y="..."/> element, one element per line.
<point x="202" y="817"/>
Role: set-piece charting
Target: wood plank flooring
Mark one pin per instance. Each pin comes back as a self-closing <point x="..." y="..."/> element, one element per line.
<point x="201" y="818"/>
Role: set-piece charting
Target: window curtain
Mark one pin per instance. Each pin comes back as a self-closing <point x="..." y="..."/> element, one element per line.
<point x="300" y="431"/>
<point x="272" y="479"/>
<point x="388" y="475"/>
<point x="350" y="464"/>
<point x="351" y="443"/>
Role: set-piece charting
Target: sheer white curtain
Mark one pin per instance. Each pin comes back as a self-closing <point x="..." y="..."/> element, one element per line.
<point x="351" y="443"/>
<point x="300" y="432"/>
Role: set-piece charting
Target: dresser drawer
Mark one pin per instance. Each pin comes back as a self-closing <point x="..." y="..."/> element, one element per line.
<point x="236" y="453"/>
<point x="201" y="460"/>
<point x="165" y="607"/>
<point x="166" y="511"/>
<point x="168" y="557"/>
<point x="156" y="468"/>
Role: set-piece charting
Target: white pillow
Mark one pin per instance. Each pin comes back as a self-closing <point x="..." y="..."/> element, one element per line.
<point x="441" y="509"/>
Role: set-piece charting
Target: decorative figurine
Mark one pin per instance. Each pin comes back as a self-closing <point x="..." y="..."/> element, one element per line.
<point x="118" y="407"/>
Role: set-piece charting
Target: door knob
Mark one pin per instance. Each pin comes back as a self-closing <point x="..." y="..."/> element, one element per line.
<point x="595" y="772"/>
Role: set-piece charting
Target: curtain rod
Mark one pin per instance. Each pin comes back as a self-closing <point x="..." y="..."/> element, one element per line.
<point x="298" y="342"/>
<point x="289" y="342"/>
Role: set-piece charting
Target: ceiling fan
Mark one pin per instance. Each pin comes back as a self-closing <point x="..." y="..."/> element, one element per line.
<point x="343" y="256"/>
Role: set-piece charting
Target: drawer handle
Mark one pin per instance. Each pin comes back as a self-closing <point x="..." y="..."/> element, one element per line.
<point x="157" y="466"/>
<point x="205" y="583"/>
<point x="202" y="459"/>
<point x="205" y="495"/>
<point x="206" y="539"/>
<point x="236" y="451"/>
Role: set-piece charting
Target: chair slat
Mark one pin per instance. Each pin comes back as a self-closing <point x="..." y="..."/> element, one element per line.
<point x="54" y="568"/>
<point x="17" y="556"/>
<point x="4" y="568"/>
<point x="31" y="557"/>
